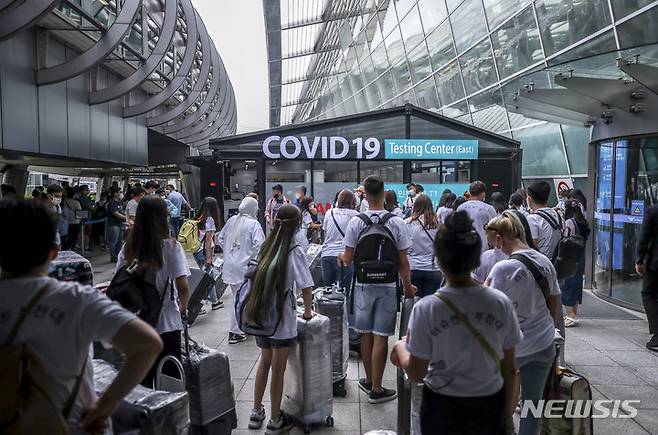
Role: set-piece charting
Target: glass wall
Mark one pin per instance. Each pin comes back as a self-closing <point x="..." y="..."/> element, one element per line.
<point x="627" y="182"/>
<point x="455" y="56"/>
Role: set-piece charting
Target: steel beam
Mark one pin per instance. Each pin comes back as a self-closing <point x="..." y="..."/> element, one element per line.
<point x="179" y="79"/>
<point x="142" y="73"/>
<point x="20" y="17"/>
<point x="647" y="75"/>
<point x="95" y="55"/>
<point x="207" y="48"/>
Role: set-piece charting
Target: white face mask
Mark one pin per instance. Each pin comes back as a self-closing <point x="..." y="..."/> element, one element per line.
<point x="57" y="201"/>
<point x="411" y="192"/>
<point x="298" y="195"/>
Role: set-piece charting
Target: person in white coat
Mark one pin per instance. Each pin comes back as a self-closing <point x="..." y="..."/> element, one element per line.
<point x="240" y="239"/>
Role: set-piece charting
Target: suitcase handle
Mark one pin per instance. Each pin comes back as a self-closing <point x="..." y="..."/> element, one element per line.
<point x="175" y="362"/>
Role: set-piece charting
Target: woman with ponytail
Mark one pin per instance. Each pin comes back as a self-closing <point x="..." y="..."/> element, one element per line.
<point x="460" y="343"/>
<point x="281" y="267"/>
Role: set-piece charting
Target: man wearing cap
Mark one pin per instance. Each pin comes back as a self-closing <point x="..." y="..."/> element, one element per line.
<point x="361" y="201"/>
<point x="277" y="201"/>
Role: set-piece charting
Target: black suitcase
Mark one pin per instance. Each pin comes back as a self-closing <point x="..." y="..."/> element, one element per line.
<point x="71" y="266"/>
<point x="223" y="425"/>
<point x="201" y="282"/>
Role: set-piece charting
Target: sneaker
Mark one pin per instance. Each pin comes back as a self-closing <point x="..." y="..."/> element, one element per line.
<point x="653" y="343"/>
<point x="217" y="305"/>
<point x="283" y="424"/>
<point x="236" y="338"/>
<point x="202" y="312"/>
<point x="256" y="418"/>
<point x="365" y="386"/>
<point x="385" y="395"/>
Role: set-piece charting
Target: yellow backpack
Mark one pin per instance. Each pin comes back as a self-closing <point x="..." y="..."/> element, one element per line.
<point x="188" y="236"/>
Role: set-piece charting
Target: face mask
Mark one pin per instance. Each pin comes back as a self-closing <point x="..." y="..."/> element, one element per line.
<point x="298" y="195"/>
<point x="57" y="201"/>
<point x="411" y="192"/>
<point x="121" y="196"/>
<point x="276" y="195"/>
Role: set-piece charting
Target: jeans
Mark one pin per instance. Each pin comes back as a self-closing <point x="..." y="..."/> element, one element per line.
<point x="200" y="258"/>
<point x="234" y="328"/>
<point x="114" y="240"/>
<point x="176" y="223"/>
<point x="534" y="373"/>
<point x="331" y="273"/>
<point x="440" y="414"/>
<point x="427" y="281"/>
<point x="375" y="309"/>
<point x="650" y="299"/>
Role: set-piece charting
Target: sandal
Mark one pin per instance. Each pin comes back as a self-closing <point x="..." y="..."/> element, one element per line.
<point x="570" y="322"/>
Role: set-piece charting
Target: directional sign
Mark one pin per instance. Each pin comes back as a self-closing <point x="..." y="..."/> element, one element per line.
<point x="637" y="208"/>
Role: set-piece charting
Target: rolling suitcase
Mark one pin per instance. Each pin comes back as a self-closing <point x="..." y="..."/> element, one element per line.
<point x="201" y="281"/>
<point x="308" y="395"/>
<point x="210" y="389"/>
<point x="313" y="256"/>
<point x="330" y="302"/>
<point x="144" y="411"/>
<point x="71" y="266"/>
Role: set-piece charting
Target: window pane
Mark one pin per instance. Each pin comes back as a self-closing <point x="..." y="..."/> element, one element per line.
<point x="412" y="31"/>
<point x="368" y="70"/>
<point x="576" y="140"/>
<point x="478" y="67"/>
<point x="426" y="94"/>
<point x="468" y="23"/>
<point x="408" y="97"/>
<point x="372" y="96"/>
<point x="403" y="6"/>
<point x="499" y="10"/>
<point x="449" y="84"/>
<point x="432" y="13"/>
<point x="488" y="111"/>
<point x="394" y="46"/>
<point x="601" y="44"/>
<point x="442" y="50"/>
<point x="379" y="59"/>
<point x="640" y="30"/>
<point x="625" y="7"/>
<point x="386" y="86"/>
<point x="419" y="63"/>
<point x="459" y="111"/>
<point x="542" y="150"/>
<point x="402" y="76"/>
<point x="565" y="23"/>
<point x="452" y="4"/>
<point x="516" y="45"/>
<point x="389" y="171"/>
<point x="390" y="20"/>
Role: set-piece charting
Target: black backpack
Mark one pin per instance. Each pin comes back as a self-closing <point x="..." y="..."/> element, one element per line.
<point x="376" y="256"/>
<point x="570" y="250"/>
<point x="135" y="290"/>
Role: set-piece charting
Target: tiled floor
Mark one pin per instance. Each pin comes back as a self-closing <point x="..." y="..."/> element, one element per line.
<point x="610" y="353"/>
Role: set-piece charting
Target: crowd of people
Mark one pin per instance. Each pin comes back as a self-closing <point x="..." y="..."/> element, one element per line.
<point x="480" y="336"/>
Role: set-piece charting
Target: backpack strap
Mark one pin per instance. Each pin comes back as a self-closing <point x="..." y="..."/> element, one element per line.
<point x="365" y="218"/>
<point x="24" y="313"/>
<point x="540" y="278"/>
<point x="555" y="224"/>
<point x="68" y="406"/>
<point x="342" y="233"/>
<point x="387" y="217"/>
<point x="472" y="329"/>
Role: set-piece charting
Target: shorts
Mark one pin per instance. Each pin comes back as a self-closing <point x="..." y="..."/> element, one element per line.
<point x="375" y="309"/>
<point x="273" y="343"/>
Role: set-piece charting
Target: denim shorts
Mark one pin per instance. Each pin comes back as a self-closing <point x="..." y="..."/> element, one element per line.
<point x="273" y="343"/>
<point x="375" y="309"/>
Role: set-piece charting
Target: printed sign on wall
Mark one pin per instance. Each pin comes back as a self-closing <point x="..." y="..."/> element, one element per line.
<point x="431" y="149"/>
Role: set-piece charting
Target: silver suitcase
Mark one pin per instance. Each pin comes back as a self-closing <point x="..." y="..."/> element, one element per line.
<point x="330" y="302"/>
<point x="308" y="395"/>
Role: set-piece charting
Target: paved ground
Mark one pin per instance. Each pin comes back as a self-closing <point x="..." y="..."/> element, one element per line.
<point x="607" y="347"/>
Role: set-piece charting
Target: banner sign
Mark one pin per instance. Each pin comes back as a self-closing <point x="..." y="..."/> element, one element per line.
<point x="434" y="191"/>
<point x="366" y="148"/>
<point x="431" y="149"/>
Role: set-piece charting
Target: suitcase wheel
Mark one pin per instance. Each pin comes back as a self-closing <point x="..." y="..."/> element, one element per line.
<point x="330" y="421"/>
<point x="339" y="389"/>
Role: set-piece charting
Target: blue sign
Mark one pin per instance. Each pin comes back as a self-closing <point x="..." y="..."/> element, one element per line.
<point x="637" y="208"/>
<point x="431" y="149"/>
<point x="434" y="191"/>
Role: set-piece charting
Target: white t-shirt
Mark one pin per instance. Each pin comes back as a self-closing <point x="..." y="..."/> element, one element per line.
<point x="238" y="257"/>
<point x="481" y="213"/>
<point x="209" y="226"/>
<point x="487" y="261"/>
<point x="298" y="277"/>
<point x="395" y="224"/>
<point x="543" y="232"/>
<point x="333" y="239"/>
<point x="459" y="364"/>
<point x="442" y="213"/>
<point x="421" y="252"/>
<point x="174" y="266"/>
<point x="363" y="205"/>
<point x="60" y="330"/>
<point x="131" y="209"/>
<point x="515" y="280"/>
<point x="398" y="212"/>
